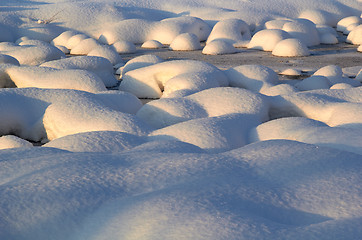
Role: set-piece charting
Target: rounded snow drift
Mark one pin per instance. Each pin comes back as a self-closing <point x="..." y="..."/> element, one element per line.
<point x="152" y="44"/>
<point x="267" y="39"/>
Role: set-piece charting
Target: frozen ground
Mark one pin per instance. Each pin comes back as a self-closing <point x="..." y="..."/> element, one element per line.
<point x="180" y="119"/>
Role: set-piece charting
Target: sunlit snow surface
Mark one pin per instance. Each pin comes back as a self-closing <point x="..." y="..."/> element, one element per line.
<point x="101" y="138"/>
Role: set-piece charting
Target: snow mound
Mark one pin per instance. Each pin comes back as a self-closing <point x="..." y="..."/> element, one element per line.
<point x="319" y="17"/>
<point x="309" y="131"/>
<point x="185" y="42"/>
<point x="140" y="62"/>
<point x="45" y="77"/>
<point x="355" y="36"/>
<point x="313" y="82"/>
<point x="152" y="44"/>
<point x="276" y="23"/>
<point x="108" y="53"/>
<point x="328" y="38"/>
<point x="230" y="30"/>
<point x="11" y="141"/>
<point x="124" y="47"/>
<point x="304" y="30"/>
<point x="107" y="141"/>
<point x="85" y="46"/>
<point x="267" y="39"/>
<point x="290" y="48"/>
<point x="164" y="31"/>
<point x="343" y="24"/>
<point x="212" y="102"/>
<point x="40" y="114"/>
<point x="148" y="82"/>
<point x="219" y="47"/>
<point x="338" y="107"/>
<point x="32" y="54"/>
<point x="341" y="86"/>
<point x="335" y="75"/>
<point x="252" y="77"/>
<point x="213" y="134"/>
<point x="98" y="65"/>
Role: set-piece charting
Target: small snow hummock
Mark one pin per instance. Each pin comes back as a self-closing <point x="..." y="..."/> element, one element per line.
<point x="304" y="30"/>
<point x="11" y="141"/>
<point x="219" y="47"/>
<point x="152" y="44"/>
<point x="267" y="39"/>
<point x="343" y="24"/>
<point x="124" y="47"/>
<point x="291" y="47"/>
<point x="355" y="36"/>
<point x="230" y="30"/>
<point x="185" y="42"/>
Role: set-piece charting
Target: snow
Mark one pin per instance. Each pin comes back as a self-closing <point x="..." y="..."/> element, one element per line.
<point x="343" y="24"/>
<point x="267" y="39"/>
<point x="11" y="141"/>
<point x="202" y="137"/>
<point x="355" y="36"/>
<point x="290" y="47"/>
<point x="185" y="42"/>
<point x="152" y="44"/>
<point x="46" y="77"/>
<point x="231" y="30"/>
<point x="219" y="47"/>
<point x="252" y="77"/>
<point x="98" y="65"/>
<point x="148" y="82"/>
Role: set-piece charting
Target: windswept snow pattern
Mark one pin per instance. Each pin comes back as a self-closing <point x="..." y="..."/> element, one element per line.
<point x="103" y="139"/>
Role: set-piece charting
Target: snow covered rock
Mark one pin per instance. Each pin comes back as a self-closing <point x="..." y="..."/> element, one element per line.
<point x="290" y="48"/>
<point x="45" y="77"/>
<point x="98" y="65"/>
<point x="11" y="141"/>
<point x="106" y="141"/>
<point x="355" y="36"/>
<point x="212" y="102"/>
<point x="108" y="53"/>
<point x="31" y="54"/>
<point x="219" y="47"/>
<point x="185" y="42"/>
<point x="124" y="47"/>
<point x="152" y="44"/>
<point x="343" y="24"/>
<point x="252" y="77"/>
<point x="319" y="17"/>
<point x="303" y="30"/>
<point x="84" y="47"/>
<point x="313" y="82"/>
<point x="148" y="82"/>
<point x="267" y="39"/>
<point x="309" y="131"/>
<point x="230" y="30"/>
<point x="140" y="62"/>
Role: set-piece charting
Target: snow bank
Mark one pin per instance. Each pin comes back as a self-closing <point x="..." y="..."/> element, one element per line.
<point x="11" y="141"/>
<point x="45" y="77"/>
<point x="267" y="39"/>
<point x="309" y="131"/>
<point x="291" y="48"/>
<point x="185" y="42"/>
<point x="99" y="65"/>
<point x="212" y="102"/>
<point x="252" y="77"/>
<point x="148" y="82"/>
